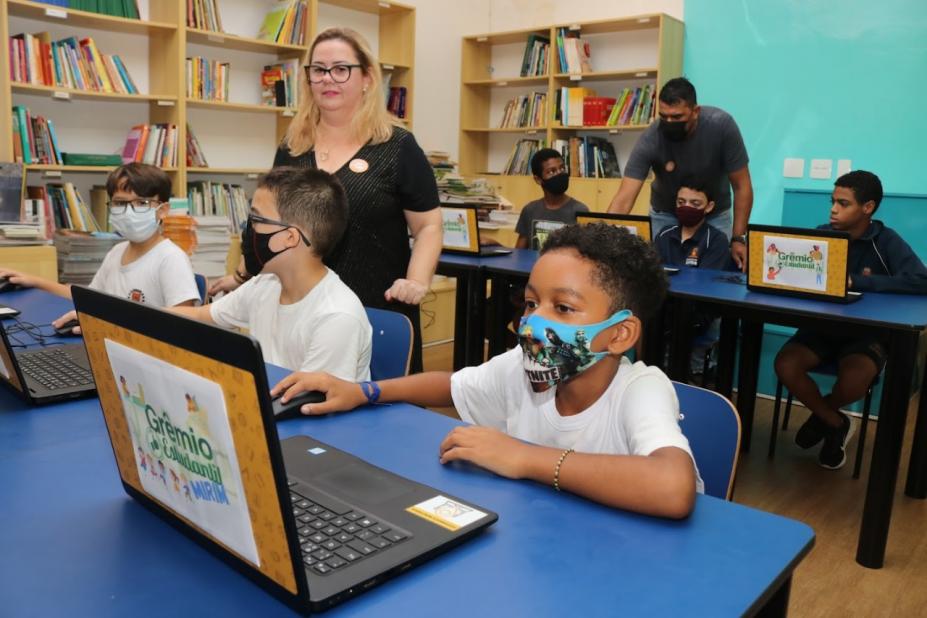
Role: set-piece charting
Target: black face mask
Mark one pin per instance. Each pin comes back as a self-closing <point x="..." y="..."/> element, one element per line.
<point x="674" y="131"/>
<point x="255" y="248"/>
<point x="556" y="185"/>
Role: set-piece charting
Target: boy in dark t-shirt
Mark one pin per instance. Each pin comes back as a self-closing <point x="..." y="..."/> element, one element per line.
<point x="556" y="209"/>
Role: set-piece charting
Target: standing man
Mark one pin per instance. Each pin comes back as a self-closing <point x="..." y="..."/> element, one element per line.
<point x="691" y="140"/>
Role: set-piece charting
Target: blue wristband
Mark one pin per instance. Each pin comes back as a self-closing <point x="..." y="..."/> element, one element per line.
<point x="371" y="391"/>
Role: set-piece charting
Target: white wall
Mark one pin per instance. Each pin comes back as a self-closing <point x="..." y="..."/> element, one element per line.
<point x="441" y="24"/>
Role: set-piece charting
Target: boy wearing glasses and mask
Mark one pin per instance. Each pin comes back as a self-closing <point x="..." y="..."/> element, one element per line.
<point x="566" y="407"/>
<point x="304" y="316"/>
<point x="147" y="267"/>
<point x="556" y="209"/>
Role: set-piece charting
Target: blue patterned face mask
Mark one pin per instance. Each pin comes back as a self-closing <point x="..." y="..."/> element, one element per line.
<point x="555" y="352"/>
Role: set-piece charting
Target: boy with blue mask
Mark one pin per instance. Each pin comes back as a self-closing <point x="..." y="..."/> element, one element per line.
<point x="304" y="316"/>
<point x="147" y="267"/>
<point x="565" y="407"/>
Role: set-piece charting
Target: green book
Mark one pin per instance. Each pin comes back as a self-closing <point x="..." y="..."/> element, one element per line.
<point x="103" y="160"/>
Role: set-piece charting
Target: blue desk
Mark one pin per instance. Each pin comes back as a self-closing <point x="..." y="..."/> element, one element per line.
<point x="74" y="542"/>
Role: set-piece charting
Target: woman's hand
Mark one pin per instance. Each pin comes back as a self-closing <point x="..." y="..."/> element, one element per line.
<point x="223" y="284"/>
<point x="406" y="291"/>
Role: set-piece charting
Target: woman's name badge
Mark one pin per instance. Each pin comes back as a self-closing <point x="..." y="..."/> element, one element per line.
<point x="670" y="166"/>
<point x="358" y="166"/>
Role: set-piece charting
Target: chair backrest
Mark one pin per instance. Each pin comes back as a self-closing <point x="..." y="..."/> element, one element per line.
<point x="200" y="286"/>
<point x="391" y="350"/>
<point x="712" y="426"/>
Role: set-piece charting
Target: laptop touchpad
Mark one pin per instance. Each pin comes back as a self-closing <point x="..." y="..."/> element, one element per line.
<point x="363" y="484"/>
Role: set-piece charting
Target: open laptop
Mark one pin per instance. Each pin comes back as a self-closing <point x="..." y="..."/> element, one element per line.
<point x="45" y="374"/>
<point x="462" y="232"/>
<point x="799" y="262"/>
<point x="188" y="412"/>
<point x="639" y="225"/>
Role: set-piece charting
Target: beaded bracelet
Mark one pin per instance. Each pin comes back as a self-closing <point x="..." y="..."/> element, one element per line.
<point x="563" y="456"/>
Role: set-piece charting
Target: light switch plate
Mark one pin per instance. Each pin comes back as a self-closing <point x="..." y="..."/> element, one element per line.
<point x="793" y="168"/>
<point x="821" y="169"/>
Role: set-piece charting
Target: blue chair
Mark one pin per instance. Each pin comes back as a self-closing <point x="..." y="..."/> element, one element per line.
<point x="200" y="286"/>
<point x="712" y="426"/>
<point x="391" y="350"/>
<point x="826" y="369"/>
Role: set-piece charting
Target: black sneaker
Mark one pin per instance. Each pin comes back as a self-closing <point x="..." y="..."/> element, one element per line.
<point x="834" y="452"/>
<point x="812" y="432"/>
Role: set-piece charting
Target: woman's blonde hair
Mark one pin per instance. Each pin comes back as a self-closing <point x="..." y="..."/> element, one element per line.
<point x="371" y="122"/>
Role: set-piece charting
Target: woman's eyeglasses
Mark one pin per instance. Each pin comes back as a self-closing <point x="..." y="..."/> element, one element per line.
<point x="339" y="73"/>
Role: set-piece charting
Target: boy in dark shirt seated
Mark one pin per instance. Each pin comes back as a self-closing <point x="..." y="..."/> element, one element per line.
<point x="879" y="261"/>
<point x="556" y="209"/>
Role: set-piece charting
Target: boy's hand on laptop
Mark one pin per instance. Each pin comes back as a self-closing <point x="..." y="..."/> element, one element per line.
<point x="486" y="447"/>
<point x="340" y="396"/>
<point x="67" y="317"/>
<point x="406" y="291"/>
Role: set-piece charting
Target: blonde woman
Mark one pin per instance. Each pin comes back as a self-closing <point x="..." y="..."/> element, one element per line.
<point x="343" y="127"/>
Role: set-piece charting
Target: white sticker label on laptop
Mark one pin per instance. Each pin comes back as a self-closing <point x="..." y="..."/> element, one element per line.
<point x="446" y="513"/>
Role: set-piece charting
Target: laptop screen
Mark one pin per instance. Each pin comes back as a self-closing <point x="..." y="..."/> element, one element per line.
<point x="795" y="260"/>
<point x="7" y="368"/>
<point x="460" y="229"/>
<point x="636" y="224"/>
<point x="186" y="429"/>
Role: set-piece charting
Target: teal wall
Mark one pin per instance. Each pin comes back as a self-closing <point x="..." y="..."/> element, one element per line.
<point x="838" y="79"/>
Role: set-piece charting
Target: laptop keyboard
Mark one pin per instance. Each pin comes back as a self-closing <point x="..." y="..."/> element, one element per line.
<point x="54" y="369"/>
<point x="332" y="537"/>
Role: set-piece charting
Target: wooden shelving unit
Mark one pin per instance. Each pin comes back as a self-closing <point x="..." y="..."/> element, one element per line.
<point x="169" y="42"/>
<point x="630" y="51"/>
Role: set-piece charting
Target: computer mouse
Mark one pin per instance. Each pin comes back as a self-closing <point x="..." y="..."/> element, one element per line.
<point x="67" y="329"/>
<point x="8" y="286"/>
<point x="291" y="408"/>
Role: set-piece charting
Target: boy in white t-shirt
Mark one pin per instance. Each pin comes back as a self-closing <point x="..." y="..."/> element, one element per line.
<point x="147" y="267"/>
<point x="303" y="315"/>
<point x="566" y="407"/>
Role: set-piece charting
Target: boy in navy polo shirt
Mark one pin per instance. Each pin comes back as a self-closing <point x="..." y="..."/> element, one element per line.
<point x="691" y="242"/>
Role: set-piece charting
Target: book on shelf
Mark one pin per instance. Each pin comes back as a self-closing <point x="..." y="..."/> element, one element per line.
<point x="534" y="61"/>
<point x="154" y="144"/>
<point x="12" y="187"/>
<point x="34" y="138"/>
<point x="525" y="110"/>
<point x="195" y="155"/>
<point x="68" y="63"/>
<point x="396" y="103"/>
<point x="204" y="15"/>
<point x="596" y="110"/>
<point x="569" y="105"/>
<point x="66" y="208"/>
<point x="216" y="199"/>
<point x="634" y="106"/>
<point x="116" y="8"/>
<point x="207" y="80"/>
<point x="573" y="53"/>
<point x="91" y="159"/>
<point x="589" y="157"/>
<point x="519" y="162"/>
<point x="285" y="22"/>
<point x="280" y="83"/>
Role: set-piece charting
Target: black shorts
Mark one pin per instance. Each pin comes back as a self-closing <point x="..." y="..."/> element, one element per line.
<point x="830" y="348"/>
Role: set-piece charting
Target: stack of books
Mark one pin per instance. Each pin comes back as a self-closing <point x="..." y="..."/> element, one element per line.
<point x="68" y="63"/>
<point x="534" y="62"/>
<point x="204" y="15"/>
<point x="285" y="22"/>
<point x="589" y="157"/>
<point x="80" y="255"/>
<point x="154" y="144"/>
<point x="212" y="245"/>
<point x="569" y="105"/>
<point x="519" y="163"/>
<point x="34" y="139"/>
<point x="207" y="80"/>
<point x="526" y="110"/>
<point x="634" y="106"/>
<point x="195" y="155"/>
<point x="573" y="53"/>
<point x="217" y="199"/>
<point x="396" y="102"/>
<point x="280" y="84"/>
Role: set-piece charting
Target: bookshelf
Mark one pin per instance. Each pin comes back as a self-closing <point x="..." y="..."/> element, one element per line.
<point x="154" y="49"/>
<point x="626" y="52"/>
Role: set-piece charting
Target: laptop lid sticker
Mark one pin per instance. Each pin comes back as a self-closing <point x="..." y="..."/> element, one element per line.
<point x="810" y="264"/>
<point x="460" y="229"/>
<point x="447" y="513"/>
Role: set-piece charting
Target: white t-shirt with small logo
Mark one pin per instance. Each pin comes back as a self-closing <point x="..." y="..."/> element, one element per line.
<point x="326" y="330"/>
<point x="163" y="277"/>
<point x="636" y="415"/>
